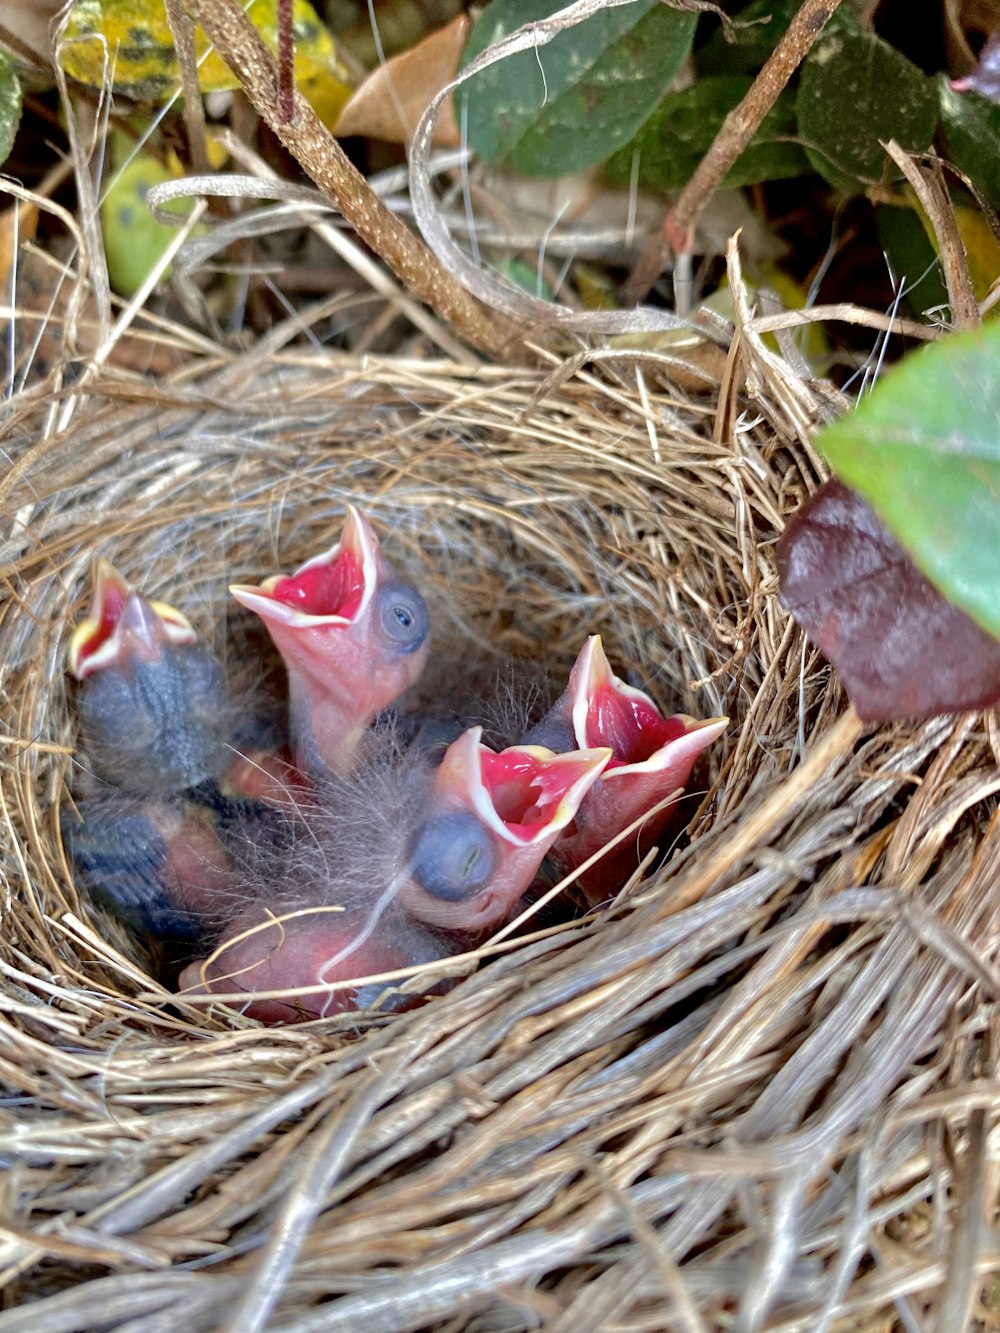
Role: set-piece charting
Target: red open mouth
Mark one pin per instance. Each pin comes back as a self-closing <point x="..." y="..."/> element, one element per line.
<point x="630" y="724"/>
<point x="525" y="793"/>
<point x="332" y="588"/>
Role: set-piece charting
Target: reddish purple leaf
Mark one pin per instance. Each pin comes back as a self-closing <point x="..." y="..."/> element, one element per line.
<point x="902" y="649"/>
<point x="985" y="78"/>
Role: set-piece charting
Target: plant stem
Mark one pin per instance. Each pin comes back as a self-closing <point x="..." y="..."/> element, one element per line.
<point x="311" y="144"/>
<point x="736" y="131"/>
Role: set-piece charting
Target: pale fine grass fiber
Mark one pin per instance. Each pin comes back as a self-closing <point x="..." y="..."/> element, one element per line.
<point x="758" y="1092"/>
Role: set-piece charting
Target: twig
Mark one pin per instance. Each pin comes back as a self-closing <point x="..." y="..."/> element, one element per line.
<point x="933" y="197"/>
<point x="306" y="138"/>
<point x="182" y="30"/>
<point x="736" y="131"/>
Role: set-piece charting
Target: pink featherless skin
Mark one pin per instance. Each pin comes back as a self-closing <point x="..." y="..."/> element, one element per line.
<point x="651" y="760"/>
<point x="405" y="863"/>
<point x="318" y="956"/>
<point x="353" y="636"/>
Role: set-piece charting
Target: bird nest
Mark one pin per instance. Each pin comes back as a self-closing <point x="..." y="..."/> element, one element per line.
<point x="754" y="1092"/>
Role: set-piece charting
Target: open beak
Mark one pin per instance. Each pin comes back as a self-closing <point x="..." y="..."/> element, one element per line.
<point x="606" y="711"/>
<point x="333" y="589"/>
<point x="120" y="621"/>
<point x="502" y="812"/>
<point x="353" y="638"/>
<point x="152" y="704"/>
<point x="652" y="758"/>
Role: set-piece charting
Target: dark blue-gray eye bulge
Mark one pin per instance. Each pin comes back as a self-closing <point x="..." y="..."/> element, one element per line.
<point x="401" y="614"/>
<point x="453" y="857"/>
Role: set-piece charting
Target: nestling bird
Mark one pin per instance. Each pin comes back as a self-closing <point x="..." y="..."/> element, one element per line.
<point x="354" y="637"/>
<point x="397" y="838"/>
<point x="153" y="706"/>
<point x="491" y="818"/>
<point x="651" y="759"/>
<point x="397" y="865"/>
<point x="149" y="839"/>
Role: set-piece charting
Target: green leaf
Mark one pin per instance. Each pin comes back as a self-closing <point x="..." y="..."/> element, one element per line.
<point x="924" y="449"/>
<point x="756" y="32"/>
<point x="855" y="90"/>
<point x="133" y="239"/>
<point x="970" y="127"/>
<point x="10" y="106"/>
<point x="676" y="136"/>
<point x="912" y="258"/>
<point x="571" y="103"/>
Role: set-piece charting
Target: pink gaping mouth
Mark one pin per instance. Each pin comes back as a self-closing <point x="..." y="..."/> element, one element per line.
<point x="330" y="588"/>
<point x="333" y="588"/>
<point x="524" y="793"/>
<point x="630" y="724"/>
<point x="606" y="711"/>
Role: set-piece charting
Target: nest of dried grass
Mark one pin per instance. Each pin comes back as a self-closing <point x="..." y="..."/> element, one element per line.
<point x="754" y="1094"/>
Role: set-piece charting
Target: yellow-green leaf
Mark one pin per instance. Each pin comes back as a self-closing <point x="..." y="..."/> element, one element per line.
<point x="130" y="43"/>
<point x="133" y="239"/>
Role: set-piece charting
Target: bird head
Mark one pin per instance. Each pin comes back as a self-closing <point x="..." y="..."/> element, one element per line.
<point x="492" y="817"/>
<point x="353" y="635"/>
<point x="652" y="756"/>
<point x="153" y="705"/>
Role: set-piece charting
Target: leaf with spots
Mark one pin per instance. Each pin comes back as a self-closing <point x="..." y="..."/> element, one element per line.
<point x="680" y="131"/>
<point x="856" y="91"/>
<point x="129" y="43"/>
<point x="10" y="106"/>
<point x="133" y="239"/>
<point x="573" y="101"/>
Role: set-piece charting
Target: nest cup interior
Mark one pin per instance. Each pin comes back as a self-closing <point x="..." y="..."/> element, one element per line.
<point x="759" y="1055"/>
<point x="522" y="546"/>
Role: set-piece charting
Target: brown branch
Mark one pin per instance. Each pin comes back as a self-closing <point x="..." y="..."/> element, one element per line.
<point x="932" y="195"/>
<point x="311" y="144"/>
<point x="182" y="31"/>
<point x="735" y="133"/>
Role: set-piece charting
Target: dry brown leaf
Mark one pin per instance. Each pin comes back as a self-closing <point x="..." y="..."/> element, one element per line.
<point x="17" y="224"/>
<point x="394" y="96"/>
<point x="30" y="21"/>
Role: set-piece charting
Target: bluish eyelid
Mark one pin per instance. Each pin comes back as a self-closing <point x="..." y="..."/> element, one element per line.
<point x="453" y="857"/>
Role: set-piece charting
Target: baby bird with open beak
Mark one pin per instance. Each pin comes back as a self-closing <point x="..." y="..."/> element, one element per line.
<point x="354" y="637"/>
<point x="401" y="863"/>
<point x="158" y="730"/>
<point x="651" y="759"/>
<point x="153" y="705"/>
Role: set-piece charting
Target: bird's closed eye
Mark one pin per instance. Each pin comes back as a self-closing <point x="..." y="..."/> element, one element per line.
<point x="453" y="857"/>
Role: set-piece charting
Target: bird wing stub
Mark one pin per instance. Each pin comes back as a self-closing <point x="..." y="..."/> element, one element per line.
<point x="353" y="636"/>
